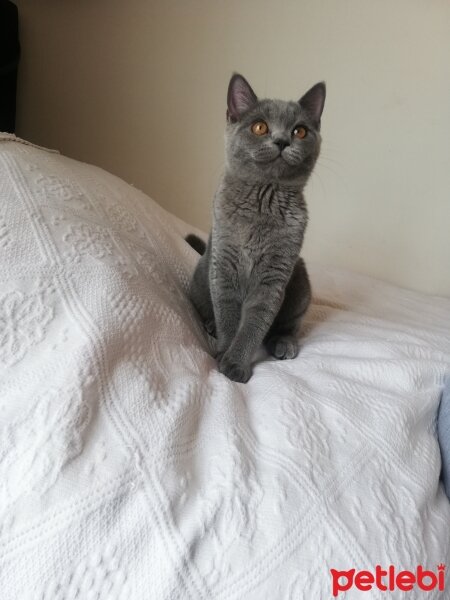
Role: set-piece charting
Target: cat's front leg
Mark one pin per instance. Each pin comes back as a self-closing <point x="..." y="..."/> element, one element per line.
<point x="227" y="309"/>
<point x="258" y="313"/>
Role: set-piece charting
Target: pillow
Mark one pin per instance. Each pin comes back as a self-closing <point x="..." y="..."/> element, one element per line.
<point x="444" y="435"/>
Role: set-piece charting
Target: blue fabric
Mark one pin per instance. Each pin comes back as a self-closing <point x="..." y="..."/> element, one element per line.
<point x="443" y="425"/>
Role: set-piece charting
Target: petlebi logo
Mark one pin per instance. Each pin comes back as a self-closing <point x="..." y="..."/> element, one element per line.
<point x="388" y="580"/>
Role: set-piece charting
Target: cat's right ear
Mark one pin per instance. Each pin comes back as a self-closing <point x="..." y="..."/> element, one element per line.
<point x="313" y="101"/>
<point x="240" y="98"/>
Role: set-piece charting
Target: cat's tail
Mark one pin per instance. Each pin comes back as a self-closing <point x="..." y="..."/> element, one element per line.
<point x="195" y="242"/>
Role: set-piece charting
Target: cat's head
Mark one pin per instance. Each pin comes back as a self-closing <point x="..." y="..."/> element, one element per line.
<point x="272" y="139"/>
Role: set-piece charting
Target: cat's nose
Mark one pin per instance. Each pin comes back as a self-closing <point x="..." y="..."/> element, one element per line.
<point x="281" y="143"/>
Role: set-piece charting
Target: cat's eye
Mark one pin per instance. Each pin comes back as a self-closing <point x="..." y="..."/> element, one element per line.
<point x="260" y="128"/>
<point x="300" y="132"/>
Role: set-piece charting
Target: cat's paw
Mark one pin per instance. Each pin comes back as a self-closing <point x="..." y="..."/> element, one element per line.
<point x="234" y="370"/>
<point x="282" y="348"/>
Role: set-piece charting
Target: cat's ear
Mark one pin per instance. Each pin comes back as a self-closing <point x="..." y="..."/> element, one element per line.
<point x="240" y="97"/>
<point x="313" y="101"/>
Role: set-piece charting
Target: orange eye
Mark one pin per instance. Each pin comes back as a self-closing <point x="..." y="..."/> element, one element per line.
<point x="260" y="128"/>
<point x="300" y="132"/>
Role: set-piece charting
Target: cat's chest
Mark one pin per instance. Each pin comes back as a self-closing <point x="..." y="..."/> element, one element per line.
<point x="264" y="234"/>
<point x="259" y="245"/>
<point x="256" y="238"/>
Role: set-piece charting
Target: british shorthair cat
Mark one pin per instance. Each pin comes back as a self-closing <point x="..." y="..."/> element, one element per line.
<point x="250" y="286"/>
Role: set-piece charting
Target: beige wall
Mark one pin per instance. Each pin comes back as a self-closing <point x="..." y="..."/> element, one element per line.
<point x="139" y="88"/>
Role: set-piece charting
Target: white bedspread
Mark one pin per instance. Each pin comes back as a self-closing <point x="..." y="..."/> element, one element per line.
<point x="131" y="469"/>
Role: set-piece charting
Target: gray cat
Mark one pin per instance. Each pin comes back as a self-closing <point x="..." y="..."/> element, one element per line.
<point x="250" y="287"/>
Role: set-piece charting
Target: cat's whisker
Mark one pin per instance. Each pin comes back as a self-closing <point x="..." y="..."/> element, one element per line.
<point x="323" y="165"/>
<point x="330" y="159"/>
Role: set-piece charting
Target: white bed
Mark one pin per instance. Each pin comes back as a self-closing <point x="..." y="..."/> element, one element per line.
<point x="130" y="468"/>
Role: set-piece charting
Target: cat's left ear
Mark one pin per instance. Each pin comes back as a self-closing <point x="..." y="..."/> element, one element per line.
<point x="240" y="97"/>
<point x="313" y="101"/>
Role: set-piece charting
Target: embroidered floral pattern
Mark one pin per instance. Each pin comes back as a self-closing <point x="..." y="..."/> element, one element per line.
<point x="98" y="576"/>
<point x="52" y="187"/>
<point x="35" y="447"/>
<point x="122" y="218"/>
<point x="23" y="322"/>
<point x="314" y="444"/>
<point x="230" y="508"/>
<point x="89" y="239"/>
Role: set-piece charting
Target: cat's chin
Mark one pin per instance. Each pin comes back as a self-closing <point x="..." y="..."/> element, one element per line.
<point x="275" y="165"/>
<point x="268" y="160"/>
<point x="267" y="168"/>
<point x="280" y="163"/>
<point x="279" y="159"/>
<point x="290" y="160"/>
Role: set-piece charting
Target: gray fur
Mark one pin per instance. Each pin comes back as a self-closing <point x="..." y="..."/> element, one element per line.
<point x="250" y="287"/>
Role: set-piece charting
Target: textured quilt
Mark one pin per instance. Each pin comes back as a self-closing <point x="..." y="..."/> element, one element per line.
<point x="131" y="469"/>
